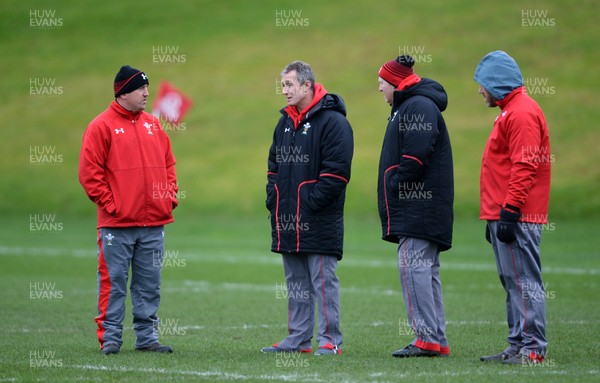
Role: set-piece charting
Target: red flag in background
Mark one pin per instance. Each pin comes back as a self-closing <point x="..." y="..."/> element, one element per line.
<point x="170" y="105"/>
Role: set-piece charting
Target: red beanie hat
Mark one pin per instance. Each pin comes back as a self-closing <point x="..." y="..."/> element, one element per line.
<point x="395" y="71"/>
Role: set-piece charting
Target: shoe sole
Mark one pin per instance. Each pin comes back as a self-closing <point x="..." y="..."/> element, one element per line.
<point x="493" y="359"/>
<point x="110" y="350"/>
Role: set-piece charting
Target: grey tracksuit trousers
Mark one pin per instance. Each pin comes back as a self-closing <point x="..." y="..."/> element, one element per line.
<point x="310" y="279"/>
<point x="140" y="248"/>
<point x="520" y="272"/>
<point x="419" y="266"/>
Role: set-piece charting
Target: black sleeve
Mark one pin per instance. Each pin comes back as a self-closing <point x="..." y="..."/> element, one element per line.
<point x="419" y="127"/>
<point x="337" y="149"/>
<point x="272" y="170"/>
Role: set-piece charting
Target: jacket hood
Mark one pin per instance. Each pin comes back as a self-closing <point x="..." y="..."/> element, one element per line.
<point x="331" y="101"/>
<point x="326" y="101"/>
<point x="427" y="88"/>
<point x="499" y="74"/>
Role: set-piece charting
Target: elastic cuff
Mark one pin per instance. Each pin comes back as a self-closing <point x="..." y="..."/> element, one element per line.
<point x="427" y="345"/>
<point x="512" y="208"/>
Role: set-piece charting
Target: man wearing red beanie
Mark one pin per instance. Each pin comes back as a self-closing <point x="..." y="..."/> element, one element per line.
<point x="415" y="198"/>
<point x="127" y="169"/>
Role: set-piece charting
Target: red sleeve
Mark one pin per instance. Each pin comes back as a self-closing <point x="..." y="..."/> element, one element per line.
<point x="524" y="141"/>
<point x="92" y="174"/>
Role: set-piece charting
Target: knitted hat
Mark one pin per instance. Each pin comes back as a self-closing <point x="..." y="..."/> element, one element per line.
<point x="395" y="71"/>
<point x="129" y="79"/>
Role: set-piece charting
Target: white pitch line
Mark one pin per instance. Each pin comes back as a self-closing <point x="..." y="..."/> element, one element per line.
<point x="314" y="377"/>
<point x="267" y="258"/>
<point x="45" y="251"/>
<point x="246" y="327"/>
<point x="204" y="374"/>
<point x="216" y="374"/>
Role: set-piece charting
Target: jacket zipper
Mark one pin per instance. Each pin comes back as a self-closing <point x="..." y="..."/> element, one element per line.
<point x="133" y="122"/>
<point x="290" y="186"/>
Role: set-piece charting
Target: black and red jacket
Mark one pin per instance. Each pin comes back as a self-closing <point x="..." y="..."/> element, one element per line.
<point x="308" y="170"/>
<point x="416" y="182"/>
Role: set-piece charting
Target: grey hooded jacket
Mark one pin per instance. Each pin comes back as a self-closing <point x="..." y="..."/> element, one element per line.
<point x="499" y="74"/>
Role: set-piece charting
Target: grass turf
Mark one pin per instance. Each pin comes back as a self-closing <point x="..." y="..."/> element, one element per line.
<point x="220" y="306"/>
<point x="232" y="53"/>
<point x="220" y="303"/>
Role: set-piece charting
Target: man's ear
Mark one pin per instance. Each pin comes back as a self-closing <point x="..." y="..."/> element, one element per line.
<point x="309" y="84"/>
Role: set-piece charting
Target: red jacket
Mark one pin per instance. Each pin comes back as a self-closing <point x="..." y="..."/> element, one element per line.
<point x="517" y="162"/>
<point x="127" y="169"/>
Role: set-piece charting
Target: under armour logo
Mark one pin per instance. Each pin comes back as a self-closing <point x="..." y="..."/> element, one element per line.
<point x="144" y="76"/>
<point x="117" y="131"/>
<point x="287" y="130"/>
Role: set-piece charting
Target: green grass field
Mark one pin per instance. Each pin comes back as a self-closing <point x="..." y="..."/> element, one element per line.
<point x="220" y="306"/>
<point x="230" y="55"/>
<point x="220" y="299"/>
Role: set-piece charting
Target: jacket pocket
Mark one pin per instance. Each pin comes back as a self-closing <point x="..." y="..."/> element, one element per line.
<point x="272" y="197"/>
<point x="304" y="190"/>
<point x="391" y="186"/>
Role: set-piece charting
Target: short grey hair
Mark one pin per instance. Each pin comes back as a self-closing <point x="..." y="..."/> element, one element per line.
<point x="304" y="72"/>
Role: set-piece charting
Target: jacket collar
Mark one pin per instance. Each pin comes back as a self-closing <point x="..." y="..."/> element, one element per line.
<point x="506" y="100"/>
<point x="128" y="114"/>
<point x="297" y="116"/>
<point x="403" y="91"/>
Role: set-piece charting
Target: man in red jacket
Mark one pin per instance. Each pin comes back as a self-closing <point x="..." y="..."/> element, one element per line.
<point x="515" y="190"/>
<point x="127" y="169"/>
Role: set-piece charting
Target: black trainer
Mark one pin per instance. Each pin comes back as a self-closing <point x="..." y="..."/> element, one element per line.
<point x="495" y="358"/>
<point x="156" y="347"/>
<point x="412" y="351"/>
<point x="110" y="348"/>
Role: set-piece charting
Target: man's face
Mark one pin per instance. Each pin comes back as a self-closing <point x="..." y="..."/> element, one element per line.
<point x="296" y="94"/>
<point x="489" y="99"/>
<point x="387" y="89"/>
<point x="136" y="100"/>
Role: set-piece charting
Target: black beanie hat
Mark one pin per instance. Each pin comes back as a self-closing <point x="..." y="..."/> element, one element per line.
<point x="129" y="79"/>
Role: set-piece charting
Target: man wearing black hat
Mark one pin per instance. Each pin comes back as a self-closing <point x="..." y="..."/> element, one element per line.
<point x="127" y="169"/>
